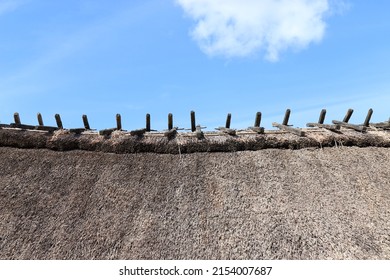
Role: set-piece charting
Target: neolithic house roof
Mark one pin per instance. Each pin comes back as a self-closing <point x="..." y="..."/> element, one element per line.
<point x="269" y="195"/>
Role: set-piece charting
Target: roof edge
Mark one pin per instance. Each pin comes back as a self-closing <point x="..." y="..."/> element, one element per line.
<point x="123" y="142"/>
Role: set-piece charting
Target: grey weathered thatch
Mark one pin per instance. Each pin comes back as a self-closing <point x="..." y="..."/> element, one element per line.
<point x="311" y="203"/>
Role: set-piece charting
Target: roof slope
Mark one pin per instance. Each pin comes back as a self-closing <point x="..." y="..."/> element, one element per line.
<point x="331" y="203"/>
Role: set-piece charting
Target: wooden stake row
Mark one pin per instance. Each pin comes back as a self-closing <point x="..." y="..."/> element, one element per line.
<point x="197" y="129"/>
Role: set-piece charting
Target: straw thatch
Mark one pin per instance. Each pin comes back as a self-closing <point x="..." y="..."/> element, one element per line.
<point x="125" y="142"/>
<point x="330" y="203"/>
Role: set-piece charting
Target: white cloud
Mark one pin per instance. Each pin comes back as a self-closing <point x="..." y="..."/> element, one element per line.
<point x="244" y="27"/>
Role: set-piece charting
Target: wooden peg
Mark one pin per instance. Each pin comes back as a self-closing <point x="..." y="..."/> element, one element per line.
<point x="286" y="117"/>
<point x="118" y="122"/>
<point x="258" y="119"/>
<point x="86" y="123"/>
<point x="322" y="116"/>
<point x="40" y="120"/>
<point x="58" y="120"/>
<point x="228" y="120"/>
<point x="17" y="118"/>
<point x="148" y="122"/>
<point x="193" y="122"/>
<point x="368" y="118"/>
<point x="170" y="121"/>
<point x="348" y="115"/>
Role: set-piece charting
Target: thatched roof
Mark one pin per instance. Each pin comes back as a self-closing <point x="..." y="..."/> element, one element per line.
<point x="126" y="142"/>
<point x="315" y="203"/>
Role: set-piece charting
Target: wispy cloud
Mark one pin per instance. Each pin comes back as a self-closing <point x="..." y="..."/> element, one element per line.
<point x="61" y="48"/>
<point x="243" y="27"/>
<point x="9" y="5"/>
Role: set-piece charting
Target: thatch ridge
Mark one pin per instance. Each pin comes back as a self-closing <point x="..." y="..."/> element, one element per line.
<point x="125" y="142"/>
<point x="329" y="203"/>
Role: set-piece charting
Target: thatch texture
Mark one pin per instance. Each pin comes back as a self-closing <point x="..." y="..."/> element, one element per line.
<point x="330" y="203"/>
<point x="125" y="142"/>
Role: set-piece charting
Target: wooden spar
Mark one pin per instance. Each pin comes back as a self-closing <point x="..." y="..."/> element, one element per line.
<point x="86" y="123"/>
<point x="359" y="128"/>
<point x="228" y="120"/>
<point x="256" y="129"/>
<point x="295" y="131"/>
<point x="368" y="118"/>
<point x="40" y="120"/>
<point x="58" y="121"/>
<point x="229" y="131"/>
<point x="22" y="126"/>
<point x="170" y="121"/>
<point x="46" y="128"/>
<point x="107" y="132"/>
<point x="193" y="121"/>
<point x="348" y="116"/>
<point x="2" y="125"/>
<point x="148" y="122"/>
<point x="326" y="126"/>
<point x="118" y="122"/>
<point x="77" y="130"/>
<point x="138" y="132"/>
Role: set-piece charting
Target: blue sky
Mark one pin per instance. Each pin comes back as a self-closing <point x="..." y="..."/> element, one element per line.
<point x="135" y="57"/>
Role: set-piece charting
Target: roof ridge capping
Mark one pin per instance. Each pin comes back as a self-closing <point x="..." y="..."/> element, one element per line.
<point x="176" y="140"/>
